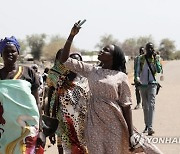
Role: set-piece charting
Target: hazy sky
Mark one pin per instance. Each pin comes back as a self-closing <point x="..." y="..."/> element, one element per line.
<point x="121" y="18"/>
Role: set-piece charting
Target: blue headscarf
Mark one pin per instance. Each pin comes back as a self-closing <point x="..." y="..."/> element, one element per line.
<point x="9" y="40"/>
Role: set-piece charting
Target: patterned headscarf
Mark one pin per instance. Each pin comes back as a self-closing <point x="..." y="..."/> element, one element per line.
<point x="9" y="40"/>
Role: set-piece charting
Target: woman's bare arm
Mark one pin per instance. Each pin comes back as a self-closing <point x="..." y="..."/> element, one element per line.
<point x="66" y="50"/>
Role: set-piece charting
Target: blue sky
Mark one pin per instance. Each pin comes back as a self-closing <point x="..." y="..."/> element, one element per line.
<point x="121" y="18"/>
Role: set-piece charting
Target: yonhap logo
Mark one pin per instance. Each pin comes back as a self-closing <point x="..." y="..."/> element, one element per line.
<point x="164" y="140"/>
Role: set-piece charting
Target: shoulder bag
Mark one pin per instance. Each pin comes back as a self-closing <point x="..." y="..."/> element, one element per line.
<point x="158" y="85"/>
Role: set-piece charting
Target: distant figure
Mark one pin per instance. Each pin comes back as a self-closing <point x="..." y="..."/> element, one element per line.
<point x="45" y="88"/>
<point x="35" y="68"/>
<point x="45" y="74"/>
<point x="161" y="61"/>
<point x="137" y="85"/>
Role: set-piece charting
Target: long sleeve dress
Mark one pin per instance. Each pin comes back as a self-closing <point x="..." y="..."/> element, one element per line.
<point x="106" y="131"/>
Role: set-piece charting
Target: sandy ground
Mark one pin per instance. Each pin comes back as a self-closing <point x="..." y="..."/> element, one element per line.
<point x="167" y="116"/>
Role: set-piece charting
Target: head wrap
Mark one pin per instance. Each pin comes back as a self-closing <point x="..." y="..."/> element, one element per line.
<point x="119" y="61"/>
<point x="9" y="40"/>
<point x="78" y="54"/>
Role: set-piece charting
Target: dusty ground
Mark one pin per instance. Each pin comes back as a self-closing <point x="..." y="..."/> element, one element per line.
<point x="167" y="117"/>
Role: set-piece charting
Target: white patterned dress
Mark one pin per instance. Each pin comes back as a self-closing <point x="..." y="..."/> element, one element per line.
<point x="106" y="131"/>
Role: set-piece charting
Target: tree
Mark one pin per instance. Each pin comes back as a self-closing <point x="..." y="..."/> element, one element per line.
<point x="176" y="55"/>
<point x="106" y="40"/>
<point x="23" y="46"/>
<point x="56" y="42"/>
<point x="167" y="47"/>
<point x="143" y="40"/>
<point x="129" y="47"/>
<point x="36" y="43"/>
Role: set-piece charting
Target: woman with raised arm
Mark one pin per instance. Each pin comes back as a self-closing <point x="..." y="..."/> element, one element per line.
<point x="108" y="127"/>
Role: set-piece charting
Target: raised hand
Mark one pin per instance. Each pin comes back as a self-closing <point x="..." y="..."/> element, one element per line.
<point x="75" y="29"/>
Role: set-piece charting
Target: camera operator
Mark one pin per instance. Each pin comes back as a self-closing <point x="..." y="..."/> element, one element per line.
<point x="144" y="77"/>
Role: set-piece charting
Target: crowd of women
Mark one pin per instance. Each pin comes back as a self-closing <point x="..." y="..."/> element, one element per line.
<point x="92" y="104"/>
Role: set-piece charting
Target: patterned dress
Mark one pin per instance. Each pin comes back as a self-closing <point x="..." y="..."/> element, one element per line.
<point x="71" y="114"/>
<point x="106" y="130"/>
<point x="70" y="100"/>
<point x="19" y="114"/>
